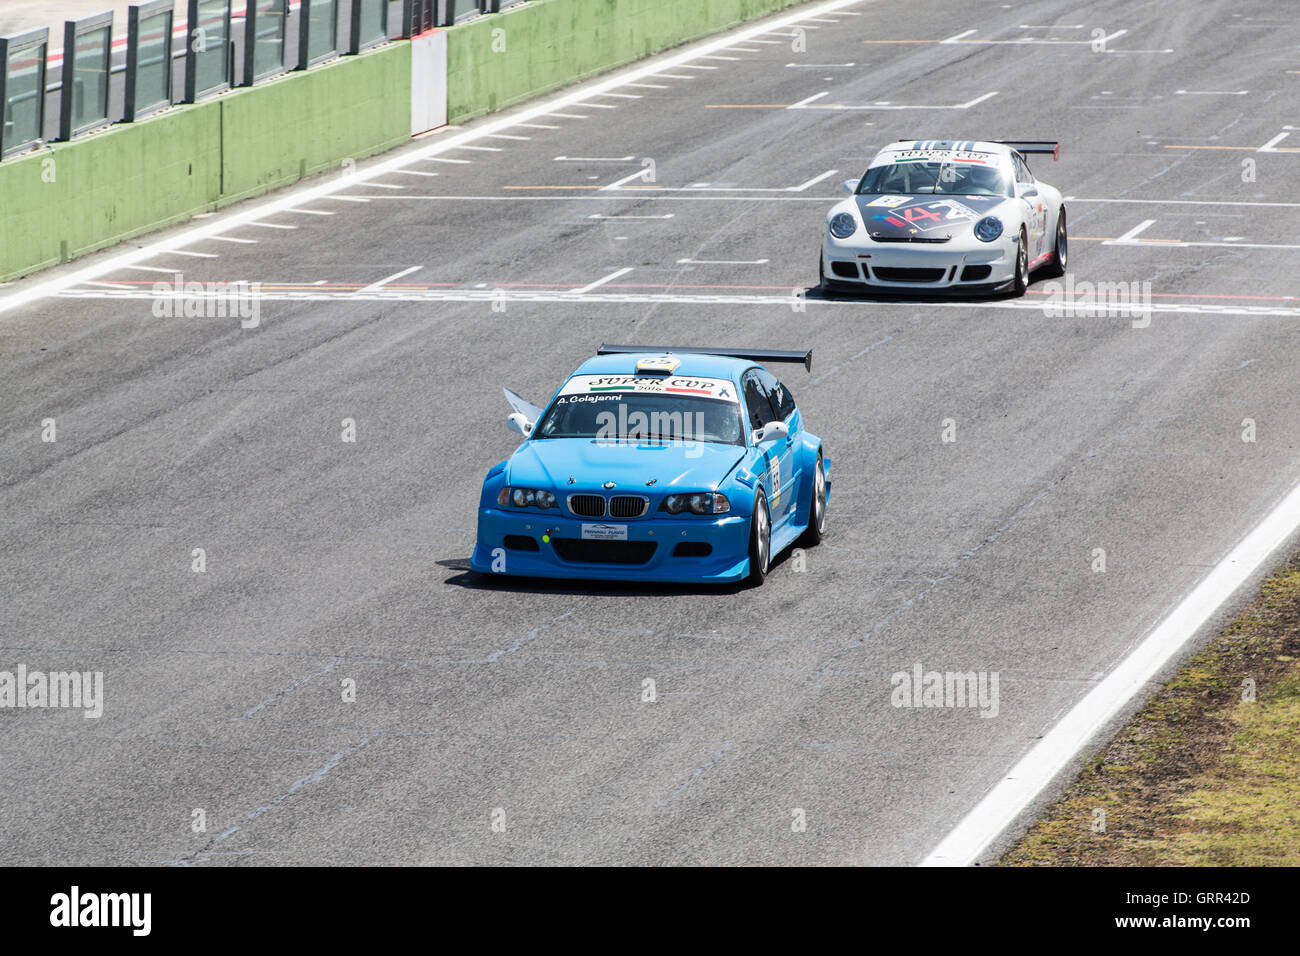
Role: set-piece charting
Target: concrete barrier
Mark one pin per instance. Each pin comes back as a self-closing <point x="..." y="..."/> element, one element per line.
<point x="74" y="198"/>
<point x="497" y="61"/>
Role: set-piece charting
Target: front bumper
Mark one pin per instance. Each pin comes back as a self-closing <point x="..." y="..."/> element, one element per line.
<point x="560" y="557"/>
<point x="918" y="267"/>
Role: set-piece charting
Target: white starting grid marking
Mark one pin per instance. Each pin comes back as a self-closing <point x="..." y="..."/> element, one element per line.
<point x="594" y="159"/>
<point x="1131" y="238"/>
<point x="723" y="262"/>
<point x="601" y="281"/>
<point x="597" y="215"/>
<point x="1020" y="41"/>
<point x="811" y="103"/>
<point x="376" y="286"/>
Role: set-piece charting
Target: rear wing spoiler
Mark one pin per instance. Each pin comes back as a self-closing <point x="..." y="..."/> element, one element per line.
<point x="1033" y="146"/>
<point x="754" y="355"/>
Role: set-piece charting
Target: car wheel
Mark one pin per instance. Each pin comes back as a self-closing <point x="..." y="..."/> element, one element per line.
<point x="760" y="541"/>
<point x="821" y="271"/>
<point x="817" y="507"/>
<point x="1061" y="251"/>
<point x="1022" y="265"/>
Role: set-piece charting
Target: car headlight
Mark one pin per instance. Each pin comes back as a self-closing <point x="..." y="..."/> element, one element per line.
<point x="988" y="228"/>
<point x="702" y="503"/>
<point x="525" y="498"/>
<point x="843" y="225"/>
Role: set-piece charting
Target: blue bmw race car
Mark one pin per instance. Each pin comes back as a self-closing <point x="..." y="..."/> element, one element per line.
<point x="656" y="464"/>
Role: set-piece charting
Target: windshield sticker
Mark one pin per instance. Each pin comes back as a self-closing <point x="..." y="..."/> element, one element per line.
<point x="715" y="388"/>
<point x="936" y="156"/>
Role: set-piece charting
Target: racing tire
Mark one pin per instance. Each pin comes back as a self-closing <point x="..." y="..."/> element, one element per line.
<point x="1021" y="282"/>
<point x="1061" y="251"/>
<point x="821" y="271"/>
<point x="816" y="508"/>
<point x="760" y="541"/>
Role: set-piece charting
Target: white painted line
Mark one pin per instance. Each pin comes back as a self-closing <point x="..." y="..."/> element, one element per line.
<point x="1192" y="202"/>
<point x="376" y="286"/>
<point x="597" y="215"/>
<point x="723" y="262"/>
<point x="768" y="42"/>
<point x="166" y="272"/>
<point x="271" y="225"/>
<point x="353" y="198"/>
<point x="674" y="76"/>
<point x="444" y="159"/>
<point x="1269" y="146"/>
<point x="618" y="183"/>
<point x="521" y="139"/>
<point x="1058" y="748"/>
<point x="624" y="96"/>
<point x="814" y="181"/>
<point x="734" y="59"/>
<point x="242" y="242"/>
<point x="311" y="212"/>
<point x="293" y="197"/>
<point x="819" y="66"/>
<point x="1132" y="233"/>
<point x="1228" y="243"/>
<point x="106" y="285"/>
<point x="979" y="99"/>
<point x="1059" y="26"/>
<point x="649" y="86"/>
<point x="1211" y="92"/>
<point x="194" y="255"/>
<point x="382" y="185"/>
<point x="569" y="115"/>
<point x="415" y="172"/>
<point x="482" y="149"/>
<point x="804" y="102"/>
<point x="536" y="126"/>
<point x="744" y="49"/>
<point x="594" y="159"/>
<point x="959" y="36"/>
<point x="690" y="66"/>
<point x="600" y="282"/>
<point x="597" y="106"/>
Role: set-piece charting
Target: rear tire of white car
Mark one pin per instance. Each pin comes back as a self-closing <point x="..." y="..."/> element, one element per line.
<point x="1061" y="251"/>
<point x="760" y="541"/>
<point x="1022" y="265"/>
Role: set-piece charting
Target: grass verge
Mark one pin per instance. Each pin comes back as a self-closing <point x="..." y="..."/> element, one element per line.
<point x="1203" y="775"/>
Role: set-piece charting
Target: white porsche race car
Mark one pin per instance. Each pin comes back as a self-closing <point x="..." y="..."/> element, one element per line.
<point x="936" y="216"/>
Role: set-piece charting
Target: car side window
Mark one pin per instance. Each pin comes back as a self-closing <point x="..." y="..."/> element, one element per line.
<point x="1023" y="175"/>
<point x="756" y="400"/>
<point x="780" y="397"/>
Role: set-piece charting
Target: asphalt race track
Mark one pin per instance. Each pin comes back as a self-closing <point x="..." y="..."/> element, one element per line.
<point x="406" y="301"/>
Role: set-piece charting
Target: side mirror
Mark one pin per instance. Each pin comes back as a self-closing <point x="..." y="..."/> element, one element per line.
<point x="519" y="423"/>
<point x="850" y="186"/>
<point x="1024" y="190"/>
<point x="771" y="432"/>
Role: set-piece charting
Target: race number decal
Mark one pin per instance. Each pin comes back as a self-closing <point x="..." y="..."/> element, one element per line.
<point x="774" y="468"/>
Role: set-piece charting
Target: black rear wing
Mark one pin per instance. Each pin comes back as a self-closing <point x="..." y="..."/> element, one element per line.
<point x="753" y="355"/>
<point x="1033" y="146"/>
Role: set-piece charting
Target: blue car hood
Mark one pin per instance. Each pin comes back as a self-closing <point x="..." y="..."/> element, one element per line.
<point x="550" y="462"/>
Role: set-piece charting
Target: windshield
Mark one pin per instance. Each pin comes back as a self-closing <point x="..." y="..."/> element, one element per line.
<point x="924" y="177"/>
<point x="641" y="417"/>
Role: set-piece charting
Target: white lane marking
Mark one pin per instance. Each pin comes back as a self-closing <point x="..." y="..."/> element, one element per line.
<point x="809" y="104"/>
<point x="311" y="212"/>
<point x="744" y="49"/>
<point x="242" y="242"/>
<point x="1228" y="243"/>
<point x="107" y="285"/>
<point x="1269" y="147"/>
<point x="768" y="42"/>
<point x="383" y="185"/>
<point x="650" y="86"/>
<point x="296" y="196"/>
<point x="734" y="59"/>
<point x="723" y="262"/>
<point x="814" y="181"/>
<point x="597" y="106"/>
<point x="415" y="172"/>
<point x="623" y="96"/>
<point x="354" y="198"/>
<point x="639" y="174"/>
<point x="271" y="225"/>
<point x="536" y="126"/>
<point x="1058" y="26"/>
<point x="776" y="299"/>
<point x="1033" y="41"/>
<point x="521" y="139"/>
<point x="570" y="115"/>
<point x="597" y="215"/>
<point x="1057" y="749"/>
<point x="1191" y="202"/>
<point x="1211" y="92"/>
<point x="376" y="286"/>
<point x="482" y="149"/>
<point x="445" y="159"/>
<point x="674" y="76"/>
<point x="594" y="159"/>
<point x="1132" y="233"/>
<point x="194" y="255"/>
<point x="600" y="282"/>
<point x="979" y="99"/>
<point x="819" y="66"/>
<point x="959" y="36"/>
<point x="691" y="66"/>
<point x="166" y="272"/>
